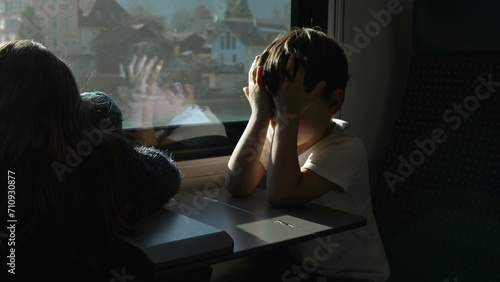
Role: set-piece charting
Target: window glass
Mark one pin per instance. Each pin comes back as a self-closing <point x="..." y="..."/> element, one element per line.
<point x="207" y="47"/>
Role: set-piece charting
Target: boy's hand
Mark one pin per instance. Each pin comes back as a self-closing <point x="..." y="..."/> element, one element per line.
<point x="292" y="97"/>
<point x="142" y="76"/>
<point x="259" y="99"/>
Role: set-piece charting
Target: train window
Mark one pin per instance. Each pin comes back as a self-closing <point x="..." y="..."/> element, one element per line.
<point x="175" y="68"/>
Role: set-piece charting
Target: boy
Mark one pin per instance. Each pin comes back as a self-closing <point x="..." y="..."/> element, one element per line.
<point x="295" y="88"/>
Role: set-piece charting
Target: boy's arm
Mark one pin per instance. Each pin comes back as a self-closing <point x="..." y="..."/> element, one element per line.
<point x="142" y="75"/>
<point x="244" y="169"/>
<point x="146" y="134"/>
<point x="287" y="183"/>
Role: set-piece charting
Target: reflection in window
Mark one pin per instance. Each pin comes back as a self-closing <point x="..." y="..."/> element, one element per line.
<point x="66" y="23"/>
<point x="212" y="41"/>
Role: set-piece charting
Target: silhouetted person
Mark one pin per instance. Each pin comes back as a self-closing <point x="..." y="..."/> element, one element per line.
<point x="77" y="186"/>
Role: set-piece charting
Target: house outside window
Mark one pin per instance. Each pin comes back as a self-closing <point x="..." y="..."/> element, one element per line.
<point x="66" y="23"/>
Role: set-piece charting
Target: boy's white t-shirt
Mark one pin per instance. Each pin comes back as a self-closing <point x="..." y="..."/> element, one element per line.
<point x="358" y="254"/>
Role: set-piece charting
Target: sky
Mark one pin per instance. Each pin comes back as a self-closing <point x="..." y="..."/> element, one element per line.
<point x="259" y="8"/>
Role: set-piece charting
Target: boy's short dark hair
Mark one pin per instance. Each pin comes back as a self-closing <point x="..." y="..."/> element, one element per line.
<point x="182" y="72"/>
<point x="326" y="60"/>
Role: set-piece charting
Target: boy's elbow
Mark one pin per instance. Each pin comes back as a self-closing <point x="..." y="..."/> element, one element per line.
<point x="284" y="200"/>
<point x="238" y="193"/>
<point x="279" y="202"/>
<point x="237" y="188"/>
<point x="275" y="202"/>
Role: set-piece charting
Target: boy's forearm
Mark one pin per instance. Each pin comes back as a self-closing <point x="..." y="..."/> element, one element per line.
<point x="135" y="115"/>
<point x="244" y="168"/>
<point x="284" y="170"/>
<point x="147" y="136"/>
